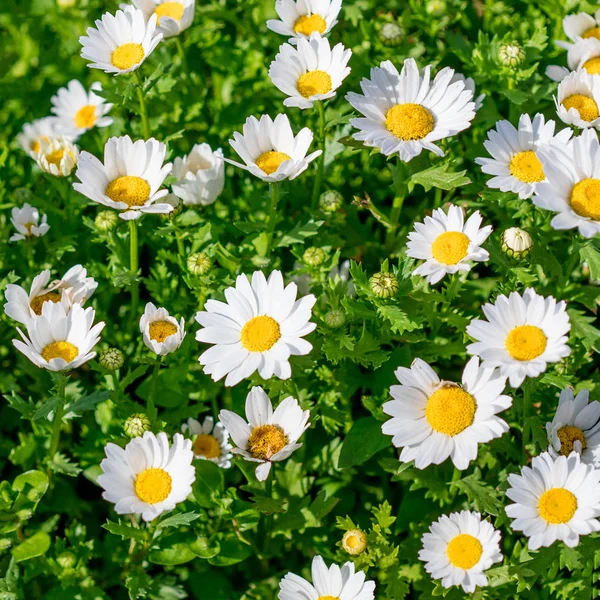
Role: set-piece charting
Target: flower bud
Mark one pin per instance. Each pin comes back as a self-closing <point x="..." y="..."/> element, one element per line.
<point x="390" y="34"/>
<point x="57" y="156"/>
<point x="199" y="263"/>
<point x="511" y="55"/>
<point x="112" y="359"/>
<point x="136" y="425"/>
<point x="106" y="220"/>
<point x="66" y="559"/>
<point x="354" y="541"/>
<point x="330" y="201"/>
<point x="516" y="242"/>
<point x="435" y="8"/>
<point x="313" y="256"/>
<point x="384" y="284"/>
<point x="334" y="318"/>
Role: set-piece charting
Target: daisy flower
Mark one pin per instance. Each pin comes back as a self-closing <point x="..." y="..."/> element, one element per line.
<point x="469" y="85"/>
<point x="328" y="583"/>
<point x="120" y="43"/>
<point x="147" y="477"/>
<point x="57" y="156"/>
<point x="268" y="436"/>
<point x="27" y="222"/>
<point x="555" y="499"/>
<point x="515" y="163"/>
<point x="434" y="419"/>
<point x="575" y="427"/>
<point x="584" y="54"/>
<point x="578" y="100"/>
<point x="580" y="26"/>
<point x="301" y="18"/>
<point x="522" y="334"/>
<point x="406" y="112"/>
<point x="172" y="17"/>
<point x="459" y="548"/>
<point x="130" y="178"/>
<point x="269" y="149"/>
<point x="40" y="129"/>
<point x="162" y="333"/>
<point x="447" y="243"/>
<point x="210" y="441"/>
<point x="310" y="72"/>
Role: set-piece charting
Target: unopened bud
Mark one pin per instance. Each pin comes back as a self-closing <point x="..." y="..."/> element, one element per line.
<point x="136" y="425"/>
<point x="435" y="8"/>
<point x="199" y="263"/>
<point x="313" y="256"/>
<point x="516" y="242"/>
<point x="511" y="55"/>
<point x="334" y="318"/>
<point x="106" y="220"/>
<point x="354" y="541"/>
<point x="384" y="284"/>
<point x="330" y="201"/>
<point x="390" y="34"/>
<point x="66" y="559"/>
<point x="112" y="359"/>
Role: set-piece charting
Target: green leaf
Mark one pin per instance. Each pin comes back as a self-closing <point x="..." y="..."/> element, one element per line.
<point x="399" y="320"/>
<point x="46" y="408"/>
<point x="31" y="486"/>
<point x="37" y="545"/>
<point x="299" y="233"/>
<point x="62" y="464"/>
<point x="86" y="403"/>
<point x="582" y="327"/>
<point x="174" y="550"/>
<point x="268" y="505"/>
<point x="363" y="441"/>
<point x="209" y="481"/>
<point x="440" y="177"/>
<point x="205" y="547"/>
<point x="232" y="552"/>
<point x="591" y="255"/>
<point x="482" y="496"/>
<point x="25" y="408"/>
<point x="126" y="532"/>
<point x="178" y="520"/>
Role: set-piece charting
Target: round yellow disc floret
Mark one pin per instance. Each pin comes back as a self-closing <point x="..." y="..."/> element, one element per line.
<point x="409" y="121"/>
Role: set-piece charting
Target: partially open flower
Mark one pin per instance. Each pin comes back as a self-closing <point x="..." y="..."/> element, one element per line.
<point x="516" y="242"/>
<point x="27" y="222"/>
<point x="57" y="156"/>
<point x="162" y="333"/>
<point x="354" y="541"/>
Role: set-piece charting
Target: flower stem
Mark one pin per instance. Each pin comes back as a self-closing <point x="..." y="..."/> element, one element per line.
<point x="397" y="175"/>
<point x="133" y="262"/>
<point x="143" y="109"/>
<point x="272" y="215"/>
<point x="319" y="177"/>
<point x="58" y="415"/>
<point x="150" y="406"/>
<point x="182" y="58"/>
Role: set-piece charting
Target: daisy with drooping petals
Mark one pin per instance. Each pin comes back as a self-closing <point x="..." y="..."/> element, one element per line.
<point x="162" y="333"/>
<point x="57" y="156"/>
<point x="27" y="222"/>
<point x="580" y="26"/>
<point x="584" y="54"/>
<point x="555" y="499"/>
<point x="578" y="100"/>
<point x="130" y="178"/>
<point x="210" y="441"/>
<point x="259" y="327"/>
<point x="148" y="477"/>
<point x="268" y="436"/>
<point x="515" y="163"/>
<point x="40" y="129"/>
<point x="434" y="419"/>
<point x="301" y="18"/>
<point x="459" y="548"/>
<point x="173" y="16"/>
<point x="447" y="243"/>
<point x="522" y="335"/>
<point x="269" y="149"/>
<point x="406" y="112"/>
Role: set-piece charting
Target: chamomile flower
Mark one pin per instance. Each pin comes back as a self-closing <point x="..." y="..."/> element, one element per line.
<point x="434" y="419"/>
<point x="147" y="477"/>
<point x="578" y="100"/>
<point x="522" y="334"/>
<point x="515" y="163"/>
<point x="301" y="18"/>
<point x="120" y="43"/>
<point x="130" y="178"/>
<point x="447" y="243"/>
<point x="310" y="72"/>
<point x="259" y="327"/>
<point x="269" y="149"/>
<point x="172" y="16"/>
<point x="459" y="548"/>
<point x="555" y="499"/>
<point x="584" y="54"/>
<point x="161" y="333"/>
<point x="580" y="26"/>
<point x="268" y="436"/>
<point x="57" y="156"/>
<point x="28" y="223"/>
<point x="40" y="129"/>
<point x="210" y="441"/>
<point x="406" y="112"/>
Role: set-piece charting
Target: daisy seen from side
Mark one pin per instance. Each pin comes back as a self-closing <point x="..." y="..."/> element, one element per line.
<point x="172" y="16"/>
<point x="161" y="332"/>
<point x="578" y="99"/>
<point x="210" y="441"/>
<point x="300" y="18"/>
<point x="28" y="222"/>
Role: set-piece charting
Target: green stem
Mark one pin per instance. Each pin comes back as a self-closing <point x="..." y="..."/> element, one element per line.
<point x="398" y="202"/>
<point x="150" y="405"/>
<point x="215" y="407"/>
<point x="143" y="109"/>
<point x="134" y="266"/>
<point x="272" y="215"/>
<point x="182" y="58"/>
<point x="319" y="177"/>
<point x="58" y="415"/>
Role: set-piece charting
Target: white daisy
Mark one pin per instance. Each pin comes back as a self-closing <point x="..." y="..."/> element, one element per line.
<point x="130" y="178"/>
<point x="447" y="243"/>
<point x="580" y="26"/>
<point x="269" y="149"/>
<point x="27" y="222"/>
<point x="210" y="441"/>
<point x="459" y="548"/>
<point x="57" y="156"/>
<point x="555" y="499"/>
<point x="120" y="43"/>
<point x="162" y="333"/>
<point x="300" y="18"/>
<point x="434" y="419"/>
<point x="469" y="85"/>
<point x="406" y="112"/>
<point x="578" y="100"/>
<point x="522" y="334"/>
<point x="173" y="16"/>
<point x="584" y="54"/>
<point x="310" y="72"/>
<point x="515" y="163"/>
<point x="148" y="477"/>
<point x="259" y="327"/>
<point x="40" y="129"/>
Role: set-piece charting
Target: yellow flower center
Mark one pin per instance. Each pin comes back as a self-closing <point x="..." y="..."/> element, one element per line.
<point x="260" y="334"/>
<point x="584" y="105"/>
<point x="568" y="435"/>
<point x="585" y="199"/>
<point x="464" y="551"/>
<point x="85" y="117"/>
<point x="314" y="82"/>
<point x="450" y="410"/>
<point x="306" y="24"/>
<point x="153" y="485"/>
<point x="526" y="166"/>
<point x="269" y="161"/>
<point x="328" y="598"/>
<point x="409" y="121"/>
<point x="450" y="248"/>
<point x="207" y="446"/>
<point x="64" y="350"/>
<point x="169" y="9"/>
<point x="525" y="342"/>
<point x="594" y="32"/>
<point x="28" y="226"/>
<point x="354" y="541"/>
<point x="55" y="157"/>
<point x="557" y="505"/>
<point x="592" y="66"/>
<point x="134" y="191"/>
<point x="159" y="331"/>
<point x="127" y="55"/>
<point x="265" y="441"/>
<point x="37" y="302"/>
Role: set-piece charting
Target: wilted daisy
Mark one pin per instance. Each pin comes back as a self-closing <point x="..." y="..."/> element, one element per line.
<point x="173" y="17"/>
<point x="434" y="419"/>
<point x="578" y="100"/>
<point x="522" y="335"/>
<point x="447" y="243"/>
<point x="147" y="477"/>
<point x="515" y="163"/>
<point x="210" y="441"/>
<point x="406" y="112"/>
<point x="269" y="149"/>
<point x="27" y="222"/>
<point x="130" y="178"/>
<point x="459" y="548"/>
<point x="120" y="43"/>
<point x="555" y="499"/>
<point x="161" y="333"/>
<point x="301" y="18"/>
<point x="310" y="72"/>
<point x="268" y="436"/>
<point x="57" y="156"/>
<point x="40" y="129"/>
<point x="584" y="54"/>
<point x="200" y="175"/>
<point x="580" y="26"/>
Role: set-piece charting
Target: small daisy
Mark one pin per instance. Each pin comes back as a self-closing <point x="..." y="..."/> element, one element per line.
<point x="555" y="499"/>
<point x="447" y="243"/>
<point x="57" y="156"/>
<point x="575" y="427"/>
<point x="584" y="54"/>
<point x="515" y="163"/>
<point x="210" y="441"/>
<point x="406" y="112"/>
<point x="173" y="17"/>
<point x="522" y="335"/>
<point x="434" y="419"/>
<point x="459" y="548"/>
<point x="331" y="583"/>
<point x="580" y="26"/>
<point x="269" y="149"/>
<point x="120" y="43"/>
<point x="130" y="178"/>
<point x="27" y="222"/>
<point x="268" y="436"/>
<point x="578" y="100"/>
<point x="310" y="72"/>
<point x="162" y="333"/>
<point x="259" y="327"/>
<point x="148" y="477"/>
<point x="40" y="129"/>
<point x="301" y="18"/>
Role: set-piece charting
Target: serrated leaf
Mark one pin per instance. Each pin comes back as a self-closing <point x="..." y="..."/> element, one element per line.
<point x="440" y="177"/>
<point x="124" y="531"/>
<point x="46" y="408"/>
<point x="86" y="403"/>
<point x="299" y="233"/>
<point x="481" y="495"/>
<point x="178" y="520"/>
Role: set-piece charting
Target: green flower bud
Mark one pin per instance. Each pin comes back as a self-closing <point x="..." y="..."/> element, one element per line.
<point x="199" y="263"/>
<point x="390" y="34"/>
<point x="136" y="425"/>
<point x="260" y="261"/>
<point x="435" y="8"/>
<point x="516" y="242"/>
<point x="112" y="359"/>
<point x="66" y="559"/>
<point x="384" y="285"/>
<point x="511" y="55"/>
<point x="330" y="201"/>
<point x="335" y="318"/>
<point x="313" y="256"/>
<point x="106" y="220"/>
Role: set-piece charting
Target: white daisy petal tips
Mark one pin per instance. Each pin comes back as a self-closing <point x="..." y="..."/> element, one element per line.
<point x="26" y="220"/>
<point x="580" y="26"/>
<point x="583" y="54"/>
<point x="41" y="129"/>
<point x="161" y="333"/>
<point x="210" y="441"/>
<point x="172" y="16"/>
<point x="578" y="100"/>
<point x="301" y="18"/>
<point x="268" y="436"/>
